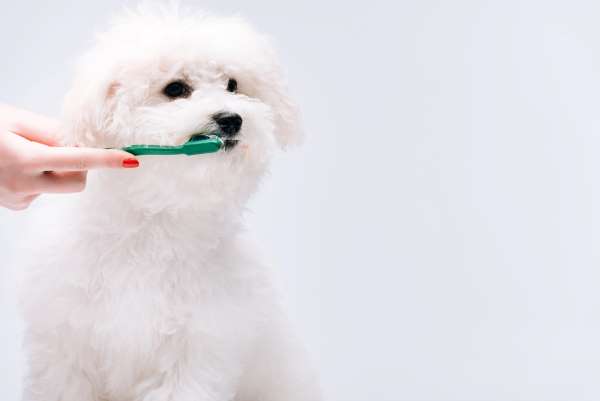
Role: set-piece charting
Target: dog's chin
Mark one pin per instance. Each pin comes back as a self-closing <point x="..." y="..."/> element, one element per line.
<point x="230" y="144"/>
<point x="180" y="187"/>
<point x="206" y="181"/>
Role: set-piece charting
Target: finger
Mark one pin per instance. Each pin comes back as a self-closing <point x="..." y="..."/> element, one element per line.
<point x="82" y="159"/>
<point x="68" y="173"/>
<point x="32" y="126"/>
<point x="16" y="206"/>
<point x="55" y="183"/>
<point x="20" y="204"/>
<point x="29" y="199"/>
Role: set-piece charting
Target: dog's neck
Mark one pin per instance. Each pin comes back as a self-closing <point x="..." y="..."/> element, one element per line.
<point x="202" y="226"/>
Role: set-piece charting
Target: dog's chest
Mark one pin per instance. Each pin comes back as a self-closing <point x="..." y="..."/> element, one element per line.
<point x="142" y="335"/>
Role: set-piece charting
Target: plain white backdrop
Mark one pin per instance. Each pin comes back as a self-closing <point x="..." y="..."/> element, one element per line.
<point x="438" y="233"/>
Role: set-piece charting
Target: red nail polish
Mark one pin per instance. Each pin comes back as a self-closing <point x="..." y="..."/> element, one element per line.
<point x="130" y="163"/>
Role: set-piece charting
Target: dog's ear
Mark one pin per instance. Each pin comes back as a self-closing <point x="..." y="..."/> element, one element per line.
<point x="286" y="115"/>
<point x="89" y="109"/>
<point x="266" y="79"/>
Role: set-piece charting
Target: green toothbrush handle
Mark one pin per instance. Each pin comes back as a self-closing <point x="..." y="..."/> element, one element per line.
<point x="207" y="144"/>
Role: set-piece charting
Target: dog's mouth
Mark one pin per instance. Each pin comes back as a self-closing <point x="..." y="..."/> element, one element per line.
<point x="228" y="143"/>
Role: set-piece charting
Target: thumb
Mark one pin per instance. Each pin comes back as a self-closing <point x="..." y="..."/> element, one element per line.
<point x="35" y="127"/>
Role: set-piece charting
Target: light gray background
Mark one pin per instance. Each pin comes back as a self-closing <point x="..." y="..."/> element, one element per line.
<point x="438" y="233"/>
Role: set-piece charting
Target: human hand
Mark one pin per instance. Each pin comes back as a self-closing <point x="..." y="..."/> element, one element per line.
<point x="32" y="162"/>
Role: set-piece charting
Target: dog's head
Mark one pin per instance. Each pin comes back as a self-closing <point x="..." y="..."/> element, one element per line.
<point x="162" y="77"/>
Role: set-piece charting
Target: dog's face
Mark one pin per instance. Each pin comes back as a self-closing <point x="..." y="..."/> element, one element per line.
<point x="160" y="78"/>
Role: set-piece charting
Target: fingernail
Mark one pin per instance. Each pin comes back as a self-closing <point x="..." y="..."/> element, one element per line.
<point x="131" y="163"/>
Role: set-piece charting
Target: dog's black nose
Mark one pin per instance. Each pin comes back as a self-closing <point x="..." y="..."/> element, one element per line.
<point x="229" y="123"/>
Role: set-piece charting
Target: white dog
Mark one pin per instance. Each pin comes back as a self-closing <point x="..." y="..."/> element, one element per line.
<point x="142" y="287"/>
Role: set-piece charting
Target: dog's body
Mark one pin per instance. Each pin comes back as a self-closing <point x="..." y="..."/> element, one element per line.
<point x="142" y="288"/>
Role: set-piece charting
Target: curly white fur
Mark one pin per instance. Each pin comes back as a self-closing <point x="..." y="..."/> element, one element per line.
<point x="142" y="288"/>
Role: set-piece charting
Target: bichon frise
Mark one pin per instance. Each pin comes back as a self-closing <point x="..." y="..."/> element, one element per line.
<point x="143" y="288"/>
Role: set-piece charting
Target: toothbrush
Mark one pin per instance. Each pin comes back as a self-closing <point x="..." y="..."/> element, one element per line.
<point x="198" y="144"/>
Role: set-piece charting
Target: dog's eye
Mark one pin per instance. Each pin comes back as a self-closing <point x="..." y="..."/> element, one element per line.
<point x="232" y="85"/>
<point x="177" y="89"/>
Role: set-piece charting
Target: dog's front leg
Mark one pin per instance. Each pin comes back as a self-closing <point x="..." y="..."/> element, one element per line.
<point x="54" y="374"/>
<point x="197" y="385"/>
<point x="201" y="370"/>
<point x="76" y="388"/>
